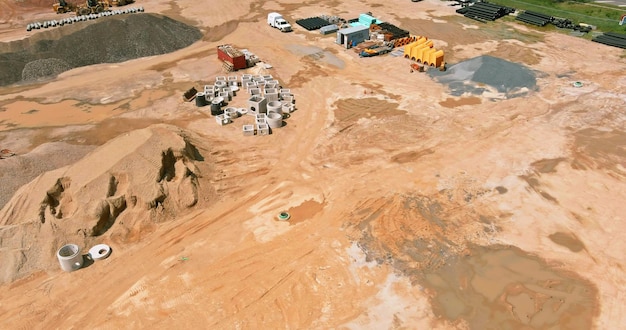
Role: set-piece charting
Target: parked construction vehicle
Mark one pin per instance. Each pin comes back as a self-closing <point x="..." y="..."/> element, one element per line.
<point x="376" y="50"/>
<point x="118" y="3"/>
<point x="63" y="7"/>
<point x="90" y="6"/>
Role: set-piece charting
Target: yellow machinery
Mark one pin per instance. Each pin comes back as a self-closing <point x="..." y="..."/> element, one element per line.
<point x="118" y="3"/>
<point x="90" y="7"/>
<point x="63" y="7"/>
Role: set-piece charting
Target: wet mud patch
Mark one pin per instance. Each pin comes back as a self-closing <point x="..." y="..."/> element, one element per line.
<point x="453" y="103"/>
<point x="317" y="54"/>
<point x="594" y="148"/>
<point x="547" y="165"/>
<point x="568" y="240"/>
<point x="506" y="288"/>
<point x="305" y="211"/>
<point x="411" y="156"/>
<point x="535" y="185"/>
<point x="516" y="53"/>
<point x="349" y="111"/>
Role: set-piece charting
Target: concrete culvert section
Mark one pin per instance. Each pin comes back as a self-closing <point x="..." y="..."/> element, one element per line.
<point x="106" y="40"/>
<point x="70" y="258"/>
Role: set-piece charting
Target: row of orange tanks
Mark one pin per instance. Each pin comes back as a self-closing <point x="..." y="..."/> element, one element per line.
<point x="422" y="51"/>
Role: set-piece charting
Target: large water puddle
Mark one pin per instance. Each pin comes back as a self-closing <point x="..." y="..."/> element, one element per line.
<point x="505" y="288"/>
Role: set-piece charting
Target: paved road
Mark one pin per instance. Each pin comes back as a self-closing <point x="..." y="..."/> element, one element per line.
<point x="620" y="3"/>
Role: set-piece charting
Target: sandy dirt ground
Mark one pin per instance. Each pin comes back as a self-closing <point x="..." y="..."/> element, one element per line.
<point x="410" y="207"/>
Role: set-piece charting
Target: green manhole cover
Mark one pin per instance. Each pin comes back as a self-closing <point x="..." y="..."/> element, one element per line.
<point x="284" y="216"/>
<point x="578" y="84"/>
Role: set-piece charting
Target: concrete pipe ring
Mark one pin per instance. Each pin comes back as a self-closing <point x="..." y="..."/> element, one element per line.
<point x="284" y="216"/>
<point x="100" y="251"/>
<point x="70" y="258"/>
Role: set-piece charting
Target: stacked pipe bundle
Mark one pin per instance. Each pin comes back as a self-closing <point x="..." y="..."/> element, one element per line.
<point x="534" y="18"/>
<point x="404" y="41"/>
<point x="313" y="23"/>
<point x="612" y="39"/>
<point x="485" y="11"/>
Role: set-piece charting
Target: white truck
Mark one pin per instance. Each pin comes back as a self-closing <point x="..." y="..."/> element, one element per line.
<point x="276" y="20"/>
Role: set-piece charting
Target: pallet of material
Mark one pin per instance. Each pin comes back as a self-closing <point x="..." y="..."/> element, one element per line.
<point x="312" y="23"/>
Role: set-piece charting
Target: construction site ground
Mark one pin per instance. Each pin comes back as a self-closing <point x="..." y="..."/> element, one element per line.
<point x="417" y="199"/>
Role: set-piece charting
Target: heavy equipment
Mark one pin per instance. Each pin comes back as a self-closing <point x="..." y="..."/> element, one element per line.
<point x="118" y="3"/>
<point x="90" y="7"/>
<point x="63" y="7"/>
<point x="376" y="50"/>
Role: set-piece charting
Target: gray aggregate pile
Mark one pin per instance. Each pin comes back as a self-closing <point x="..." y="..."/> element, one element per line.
<point x="44" y="68"/>
<point x="109" y="39"/>
<point x="470" y="76"/>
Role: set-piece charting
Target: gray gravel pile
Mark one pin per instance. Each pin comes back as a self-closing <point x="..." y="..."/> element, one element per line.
<point x="107" y="40"/>
<point x="44" y="68"/>
<point x="18" y="170"/>
<point x="511" y="79"/>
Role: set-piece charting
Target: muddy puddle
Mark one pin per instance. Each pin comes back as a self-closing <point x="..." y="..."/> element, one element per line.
<point x="348" y="111"/>
<point x="305" y="211"/>
<point x="453" y="103"/>
<point x="505" y="288"/>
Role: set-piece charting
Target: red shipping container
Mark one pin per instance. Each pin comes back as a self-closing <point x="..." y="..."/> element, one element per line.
<point x="229" y="54"/>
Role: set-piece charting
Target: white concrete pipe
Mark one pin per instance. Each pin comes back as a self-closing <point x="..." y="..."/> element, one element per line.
<point x="242" y="111"/>
<point x="232" y="112"/>
<point x="275" y="106"/>
<point x="99" y="252"/>
<point x="274" y="120"/>
<point x="70" y="258"/>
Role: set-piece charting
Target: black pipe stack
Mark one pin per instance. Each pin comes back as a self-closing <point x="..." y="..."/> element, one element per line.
<point x="612" y="39"/>
<point x="534" y="18"/>
<point x="485" y="11"/>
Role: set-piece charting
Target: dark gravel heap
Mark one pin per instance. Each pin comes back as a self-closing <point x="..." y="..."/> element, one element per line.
<point x="109" y="40"/>
<point x="46" y="67"/>
<point x="507" y="77"/>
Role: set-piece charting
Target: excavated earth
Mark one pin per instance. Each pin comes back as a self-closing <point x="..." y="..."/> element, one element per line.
<point x="486" y="196"/>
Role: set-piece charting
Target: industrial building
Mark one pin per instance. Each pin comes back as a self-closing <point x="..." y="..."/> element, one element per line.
<point x="353" y="35"/>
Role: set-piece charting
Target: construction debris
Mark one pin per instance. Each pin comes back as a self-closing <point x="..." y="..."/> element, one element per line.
<point x="190" y="94"/>
<point x="6" y="153"/>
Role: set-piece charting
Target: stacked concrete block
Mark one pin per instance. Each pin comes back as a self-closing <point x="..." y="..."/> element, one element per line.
<point x="248" y="130"/>
<point x="222" y="119"/>
<point x="257" y="104"/>
<point x="262" y="129"/>
<point x="232" y="80"/>
<point x="255" y="91"/>
<point x="271" y="94"/>
<point x="268" y="77"/>
<point x="260" y="118"/>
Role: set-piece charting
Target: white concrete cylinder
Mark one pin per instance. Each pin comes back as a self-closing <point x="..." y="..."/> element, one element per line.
<point x="275" y="106"/>
<point x="274" y="120"/>
<point x="232" y="112"/>
<point x="70" y="258"/>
